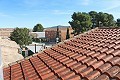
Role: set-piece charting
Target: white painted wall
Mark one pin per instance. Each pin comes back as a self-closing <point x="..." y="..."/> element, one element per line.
<point x="32" y="48"/>
<point x="40" y="34"/>
<point x="1" y="66"/>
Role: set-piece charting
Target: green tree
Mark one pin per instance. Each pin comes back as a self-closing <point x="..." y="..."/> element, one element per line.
<point x="118" y="22"/>
<point x="102" y="19"/>
<point x="21" y="36"/>
<point x="84" y="21"/>
<point x="80" y="22"/>
<point x="58" y="38"/>
<point x="67" y="34"/>
<point x="57" y="34"/>
<point x="93" y="15"/>
<point x="38" y="28"/>
<point x="105" y="19"/>
<point x="111" y="21"/>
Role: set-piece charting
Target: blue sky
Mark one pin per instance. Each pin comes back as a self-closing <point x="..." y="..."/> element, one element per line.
<point x="27" y="13"/>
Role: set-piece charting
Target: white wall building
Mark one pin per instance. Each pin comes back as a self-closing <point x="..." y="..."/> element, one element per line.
<point x="38" y="34"/>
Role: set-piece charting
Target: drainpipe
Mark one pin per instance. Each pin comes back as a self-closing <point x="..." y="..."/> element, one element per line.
<point x="1" y="66"/>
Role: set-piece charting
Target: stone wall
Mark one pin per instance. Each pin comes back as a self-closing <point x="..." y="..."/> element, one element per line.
<point x="10" y="51"/>
<point x="5" y="32"/>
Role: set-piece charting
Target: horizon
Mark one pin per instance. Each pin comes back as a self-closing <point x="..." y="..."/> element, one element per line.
<point x="28" y="13"/>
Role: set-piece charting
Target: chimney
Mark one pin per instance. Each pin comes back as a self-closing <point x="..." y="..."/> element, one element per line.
<point x="1" y="66"/>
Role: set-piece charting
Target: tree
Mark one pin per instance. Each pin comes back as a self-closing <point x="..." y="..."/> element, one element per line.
<point x="102" y="19"/>
<point x="80" y="22"/>
<point x="118" y="22"/>
<point x="111" y="21"/>
<point x="67" y="34"/>
<point x="21" y="36"/>
<point x="84" y="21"/>
<point x="105" y="19"/>
<point x="38" y="28"/>
<point x="57" y="35"/>
<point x="93" y="15"/>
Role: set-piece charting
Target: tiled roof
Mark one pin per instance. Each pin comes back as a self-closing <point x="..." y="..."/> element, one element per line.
<point x="91" y="56"/>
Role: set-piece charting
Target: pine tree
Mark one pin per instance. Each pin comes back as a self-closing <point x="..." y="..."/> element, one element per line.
<point x="67" y="34"/>
<point x="118" y="22"/>
<point x="38" y="28"/>
<point x="57" y="35"/>
<point x="21" y="36"/>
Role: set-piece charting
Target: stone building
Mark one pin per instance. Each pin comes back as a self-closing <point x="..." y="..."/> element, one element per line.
<point x="5" y="32"/>
<point x="9" y="51"/>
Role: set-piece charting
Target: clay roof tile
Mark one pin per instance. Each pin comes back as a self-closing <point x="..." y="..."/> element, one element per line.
<point x="94" y="55"/>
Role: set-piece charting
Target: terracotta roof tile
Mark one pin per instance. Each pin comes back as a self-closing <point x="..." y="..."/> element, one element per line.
<point x="117" y="46"/>
<point x="116" y="42"/>
<point x="85" y="71"/>
<point x="104" y="67"/>
<point x="116" y="53"/>
<point x="110" y="45"/>
<point x="100" y="56"/>
<point x="92" y="75"/>
<point x="74" y="77"/>
<point x="67" y="75"/>
<point x="109" y="51"/>
<point x="93" y="56"/>
<point x="97" y="64"/>
<point x="107" y="58"/>
<point x="63" y="72"/>
<point x="114" y="60"/>
<point x="90" y="62"/>
<point x="113" y="71"/>
<point x="117" y="77"/>
<point x="86" y="59"/>
<point x="80" y="58"/>
<point x="103" y="77"/>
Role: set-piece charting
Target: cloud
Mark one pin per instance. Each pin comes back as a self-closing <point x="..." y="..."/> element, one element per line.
<point x="85" y="2"/>
<point x="115" y="14"/>
<point x="31" y="3"/>
<point x="113" y="4"/>
<point x="3" y="15"/>
<point x="62" y="12"/>
<point x="111" y="7"/>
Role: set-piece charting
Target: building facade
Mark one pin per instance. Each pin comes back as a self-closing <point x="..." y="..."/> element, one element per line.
<point x="50" y="33"/>
<point x="5" y="32"/>
<point x="38" y="34"/>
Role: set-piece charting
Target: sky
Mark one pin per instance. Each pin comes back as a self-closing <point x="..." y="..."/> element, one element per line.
<point x="28" y="13"/>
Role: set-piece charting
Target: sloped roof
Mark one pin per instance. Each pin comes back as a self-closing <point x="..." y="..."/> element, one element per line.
<point x="55" y="28"/>
<point x="94" y="55"/>
<point x="60" y="26"/>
